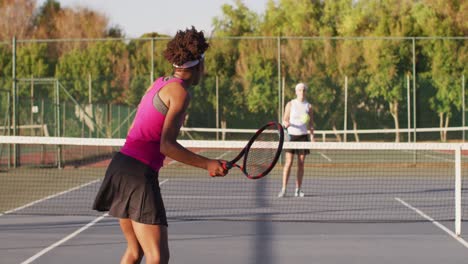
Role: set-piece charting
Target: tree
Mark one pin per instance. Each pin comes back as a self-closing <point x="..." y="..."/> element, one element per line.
<point x="293" y="18"/>
<point x="223" y="61"/>
<point x="236" y="20"/>
<point x="5" y="62"/>
<point x="106" y="63"/>
<point x="259" y="69"/>
<point x="389" y="61"/>
<point x="31" y="59"/>
<point x="140" y="64"/>
<point x="351" y="64"/>
<point x="447" y="59"/>
<point x="78" y="23"/>
<point x="15" y="18"/>
<point x="45" y="20"/>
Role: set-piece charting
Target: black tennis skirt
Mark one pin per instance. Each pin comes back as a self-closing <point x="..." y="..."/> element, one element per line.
<point x="130" y="189"/>
<point x="298" y="138"/>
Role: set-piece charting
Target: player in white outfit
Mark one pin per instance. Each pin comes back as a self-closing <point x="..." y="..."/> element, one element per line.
<point x="298" y="119"/>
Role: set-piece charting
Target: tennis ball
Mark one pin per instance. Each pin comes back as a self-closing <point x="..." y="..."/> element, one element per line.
<point x="305" y="118"/>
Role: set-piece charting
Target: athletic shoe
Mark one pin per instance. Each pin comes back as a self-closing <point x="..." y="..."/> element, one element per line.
<point x="299" y="193"/>
<point x="282" y="194"/>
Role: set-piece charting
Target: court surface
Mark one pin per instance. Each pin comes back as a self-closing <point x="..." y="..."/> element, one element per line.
<point x="50" y="239"/>
<point x="367" y="208"/>
<point x="220" y="232"/>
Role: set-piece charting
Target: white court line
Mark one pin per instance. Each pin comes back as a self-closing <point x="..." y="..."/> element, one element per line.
<point x="325" y="156"/>
<point x="439" y="225"/>
<point x="224" y="154"/>
<point x="161" y="183"/>
<point x="72" y="235"/>
<point x="63" y="240"/>
<point x="439" y="158"/>
<point x="48" y="197"/>
<point x="434" y="157"/>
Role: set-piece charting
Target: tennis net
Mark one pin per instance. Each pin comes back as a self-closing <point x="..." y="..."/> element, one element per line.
<point x="343" y="182"/>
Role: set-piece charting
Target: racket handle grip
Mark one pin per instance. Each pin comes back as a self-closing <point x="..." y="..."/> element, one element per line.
<point x="227" y="165"/>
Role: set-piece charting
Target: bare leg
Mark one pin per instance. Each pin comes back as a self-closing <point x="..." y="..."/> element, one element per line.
<point x="134" y="253"/>
<point x="287" y="168"/>
<point x="300" y="170"/>
<point x="154" y="242"/>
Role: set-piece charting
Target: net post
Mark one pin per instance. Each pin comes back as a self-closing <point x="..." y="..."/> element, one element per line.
<point x="458" y="184"/>
<point x="345" y="118"/>
<point x="58" y="123"/>
<point x="15" y="103"/>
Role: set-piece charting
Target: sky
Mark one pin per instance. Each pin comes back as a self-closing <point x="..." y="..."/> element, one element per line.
<point x="137" y="17"/>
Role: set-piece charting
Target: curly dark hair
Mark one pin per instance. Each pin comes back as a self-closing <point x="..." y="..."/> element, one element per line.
<point x="186" y="46"/>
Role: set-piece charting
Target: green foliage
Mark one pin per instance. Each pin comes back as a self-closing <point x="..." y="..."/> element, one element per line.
<point x="293" y="18"/>
<point x="104" y="63"/>
<point x="141" y="65"/>
<point x="45" y="15"/>
<point x="220" y="63"/>
<point x="446" y="60"/>
<point x="32" y="60"/>
<point x="235" y="21"/>
<point x="5" y="62"/>
<point x="303" y="33"/>
<point x="262" y="97"/>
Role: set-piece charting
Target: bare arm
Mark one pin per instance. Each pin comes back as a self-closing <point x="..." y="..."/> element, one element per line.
<point x="311" y="123"/>
<point x="287" y="113"/>
<point x="177" y="99"/>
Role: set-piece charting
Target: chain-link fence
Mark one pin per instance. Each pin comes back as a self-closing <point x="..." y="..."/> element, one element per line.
<point x="91" y="87"/>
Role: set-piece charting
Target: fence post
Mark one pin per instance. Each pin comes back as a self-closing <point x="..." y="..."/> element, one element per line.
<point x="345" y="118"/>
<point x="283" y="86"/>
<point x="152" y="61"/>
<point x="279" y="78"/>
<point x="458" y="185"/>
<point x="15" y="103"/>
<point x="217" y="107"/>
<point x="463" y="107"/>
<point x="90" y="89"/>
<point x="58" y="123"/>
<point x="408" y="100"/>
<point x="414" y="88"/>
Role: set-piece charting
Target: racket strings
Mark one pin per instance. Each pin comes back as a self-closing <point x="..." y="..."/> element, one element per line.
<point x="262" y="153"/>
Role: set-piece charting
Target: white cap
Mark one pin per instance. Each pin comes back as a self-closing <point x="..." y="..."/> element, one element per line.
<point x="301" y="85"/>
<point x="190" y="64"/>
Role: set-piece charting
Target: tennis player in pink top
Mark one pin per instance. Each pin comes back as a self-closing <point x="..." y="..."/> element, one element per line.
<point x="130" y="190"/>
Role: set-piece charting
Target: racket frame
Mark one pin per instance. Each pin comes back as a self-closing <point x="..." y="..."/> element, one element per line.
<point x="245" y="152"/>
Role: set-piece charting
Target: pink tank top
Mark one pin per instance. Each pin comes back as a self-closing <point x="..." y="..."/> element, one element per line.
<point x="143" y="139"/>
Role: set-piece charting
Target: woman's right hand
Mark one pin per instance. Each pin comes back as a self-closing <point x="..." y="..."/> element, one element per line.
<point x="216" y="168"/>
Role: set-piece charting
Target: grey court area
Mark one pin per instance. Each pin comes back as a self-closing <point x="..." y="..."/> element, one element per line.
<point x="24" y="239"/>
<point x="360" y="207"/>
<point x="235" y="220"/>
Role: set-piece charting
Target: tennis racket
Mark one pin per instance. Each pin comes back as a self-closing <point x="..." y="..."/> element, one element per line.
<point x="261" y="152"/>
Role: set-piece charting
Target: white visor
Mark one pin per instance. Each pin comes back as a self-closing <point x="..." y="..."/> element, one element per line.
<point x="301" y="86"/>
<point x="190" y="64"/>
